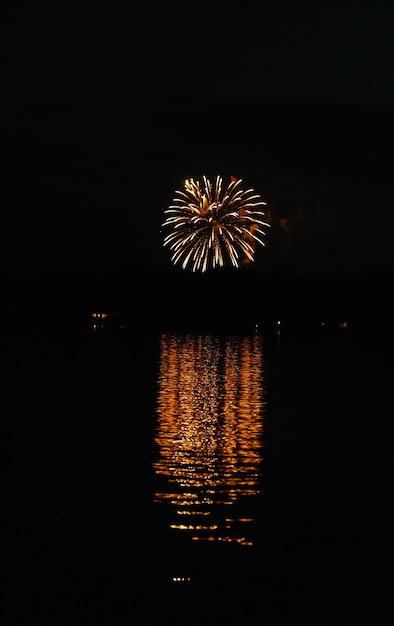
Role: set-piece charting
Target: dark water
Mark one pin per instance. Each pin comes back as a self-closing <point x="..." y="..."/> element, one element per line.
<point x="174" y="478"/>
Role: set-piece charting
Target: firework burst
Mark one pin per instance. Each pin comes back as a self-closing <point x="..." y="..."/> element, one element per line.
<point x="212" y="224"/>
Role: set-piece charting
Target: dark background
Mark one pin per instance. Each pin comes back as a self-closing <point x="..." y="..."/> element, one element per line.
<point x="106" y="109"/>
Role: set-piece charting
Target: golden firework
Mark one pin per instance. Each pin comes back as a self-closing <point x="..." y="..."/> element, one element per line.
<point x="212" y="224"/>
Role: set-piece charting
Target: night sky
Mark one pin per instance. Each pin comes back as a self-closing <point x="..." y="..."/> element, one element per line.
<point x="106" y="109"/>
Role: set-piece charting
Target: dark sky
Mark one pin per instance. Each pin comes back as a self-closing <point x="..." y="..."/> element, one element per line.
<point x="107" y="108"/>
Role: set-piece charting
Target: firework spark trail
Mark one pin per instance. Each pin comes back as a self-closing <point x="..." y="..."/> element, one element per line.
<point x="211" y="225"/>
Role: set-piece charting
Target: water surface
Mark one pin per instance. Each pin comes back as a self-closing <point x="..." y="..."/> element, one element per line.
<point x="189" y="478"/>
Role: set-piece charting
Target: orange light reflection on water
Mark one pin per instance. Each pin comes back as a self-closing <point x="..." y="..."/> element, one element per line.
<point x="209" y="434"/>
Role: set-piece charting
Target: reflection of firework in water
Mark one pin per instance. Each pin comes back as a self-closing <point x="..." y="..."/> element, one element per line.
<point x="210" y="414"/>
<point x="211" y="224"/>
